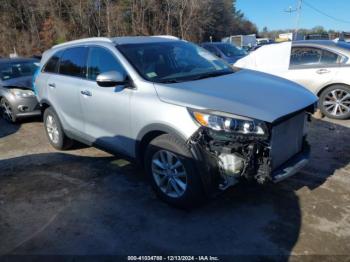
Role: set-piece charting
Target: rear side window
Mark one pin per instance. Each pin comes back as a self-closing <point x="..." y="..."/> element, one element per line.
<point x="309" y="56"/>
<point x="100" y="61"/>
<point x="73" y="62"/>
<point x="52" y="65"/>
<point x="329" y="58"/>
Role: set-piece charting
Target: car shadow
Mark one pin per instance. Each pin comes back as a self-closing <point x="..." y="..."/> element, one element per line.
<point x="58" y="203"/>
<point x="7" y="128"/>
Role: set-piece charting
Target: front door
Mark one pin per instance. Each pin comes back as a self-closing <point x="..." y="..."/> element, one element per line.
<point x="105" y="109"/>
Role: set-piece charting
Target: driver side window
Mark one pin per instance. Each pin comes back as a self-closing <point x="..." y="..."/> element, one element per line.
<point x="100" y="61"/>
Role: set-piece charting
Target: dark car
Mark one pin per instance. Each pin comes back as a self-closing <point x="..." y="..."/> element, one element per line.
<point x="226" y="51"/>
<point x="17" y="96"/>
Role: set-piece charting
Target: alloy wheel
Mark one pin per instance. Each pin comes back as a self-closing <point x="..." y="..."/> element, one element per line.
<point x="337" y="102"/>
<point x="52" y="129"/>
<point x="7" y="110"/>
<point x="169" y="173"/>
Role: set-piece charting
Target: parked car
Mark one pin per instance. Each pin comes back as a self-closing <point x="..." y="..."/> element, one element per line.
<point x="242" y="41"/>
<point x="17" y="98"/>
<point x="226" y="51"/>
<point x="184" y="114"/>
<point x="321" y="66"/>
<point x="262" y="41"/>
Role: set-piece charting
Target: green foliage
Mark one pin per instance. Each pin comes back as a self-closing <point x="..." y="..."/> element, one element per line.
<point x="60" y="40"/>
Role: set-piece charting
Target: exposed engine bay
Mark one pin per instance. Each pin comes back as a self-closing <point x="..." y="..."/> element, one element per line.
<point x="247" y="156"/>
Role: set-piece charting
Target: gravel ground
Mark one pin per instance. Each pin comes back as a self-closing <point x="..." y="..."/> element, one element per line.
<point x="87" y="202"/>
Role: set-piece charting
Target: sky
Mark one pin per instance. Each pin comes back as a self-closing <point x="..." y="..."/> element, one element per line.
<point x="270" y="13"/>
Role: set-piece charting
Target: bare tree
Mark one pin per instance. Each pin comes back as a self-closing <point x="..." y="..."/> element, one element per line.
<point x="32" y="26"/>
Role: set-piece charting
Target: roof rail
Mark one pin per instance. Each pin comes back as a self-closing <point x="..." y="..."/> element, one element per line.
<point x="84" y="40"/>
<point x="167" y="37"/>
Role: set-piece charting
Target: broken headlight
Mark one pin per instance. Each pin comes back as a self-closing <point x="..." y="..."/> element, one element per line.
<point x="229" y="123"/>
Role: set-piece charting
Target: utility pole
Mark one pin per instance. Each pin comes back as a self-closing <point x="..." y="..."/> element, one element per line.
<point x="298" y="11"/>
<point x="300" y="4"/>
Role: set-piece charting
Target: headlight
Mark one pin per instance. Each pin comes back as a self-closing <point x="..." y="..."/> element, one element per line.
<point x="22" y="93"/>
<point x="229" y="123"/>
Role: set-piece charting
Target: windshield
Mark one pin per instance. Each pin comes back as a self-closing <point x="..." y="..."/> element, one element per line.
<point x="12" y="70"/>
<point x="175" y="61"/>
<point x="231" y="50"/>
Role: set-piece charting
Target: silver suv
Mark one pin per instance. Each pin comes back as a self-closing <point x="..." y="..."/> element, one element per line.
<point x="195" y="124"/>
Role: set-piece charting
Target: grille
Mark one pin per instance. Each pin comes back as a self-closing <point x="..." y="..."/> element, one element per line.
<point x="287" y="139"/>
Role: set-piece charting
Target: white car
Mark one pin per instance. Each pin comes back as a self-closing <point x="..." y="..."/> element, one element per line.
<point x="322" y="66"/>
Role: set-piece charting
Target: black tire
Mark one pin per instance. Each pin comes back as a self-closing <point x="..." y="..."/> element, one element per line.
<point x="63" y="142"/>
<point x="324" y="97"/>
<point x="9" y="118"/>
<point x="193" y="194"/>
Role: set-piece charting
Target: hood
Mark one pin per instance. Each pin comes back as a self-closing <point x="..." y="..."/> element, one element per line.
<point x="21" y="82"/>
<point x="246" y="93"/>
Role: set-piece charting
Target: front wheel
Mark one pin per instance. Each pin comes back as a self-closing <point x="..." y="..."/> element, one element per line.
<point x="7" y="111"/>
<point x="335" y="102"/>
<point x="171" y="169"/>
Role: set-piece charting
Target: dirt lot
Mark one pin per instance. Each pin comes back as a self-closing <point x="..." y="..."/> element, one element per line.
<point x="85" y="201"/>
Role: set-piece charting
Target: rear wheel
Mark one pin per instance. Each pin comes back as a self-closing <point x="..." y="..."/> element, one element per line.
<point x="7" y="111"/>
<point x="335" y="102"/>
<point x="54" y="131"/>
<point x="171" y="169"/>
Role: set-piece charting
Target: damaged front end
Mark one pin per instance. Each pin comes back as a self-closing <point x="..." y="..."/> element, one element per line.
<point x="225" y="157"/>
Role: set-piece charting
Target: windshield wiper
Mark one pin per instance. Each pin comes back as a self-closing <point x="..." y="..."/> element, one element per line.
<point x="195" y="77"/>
<point x="170" y="81"/>
<point x="208" y="75"/>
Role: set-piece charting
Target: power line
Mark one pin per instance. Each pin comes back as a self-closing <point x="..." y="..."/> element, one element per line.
<point x="325" y="14"/>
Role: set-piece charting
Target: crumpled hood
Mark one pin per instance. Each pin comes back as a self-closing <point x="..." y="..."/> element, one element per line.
<point x="21" y="82"/>
<point x="246" y="93"/>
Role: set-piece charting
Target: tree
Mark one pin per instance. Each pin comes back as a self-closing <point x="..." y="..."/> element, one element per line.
<point x="35" y="25"/>
<point x="47" y="34"/>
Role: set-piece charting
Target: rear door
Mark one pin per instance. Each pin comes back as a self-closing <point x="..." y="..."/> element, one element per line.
<point x="64" y="87"/>
<point x="106" y="109"/>
<point x="313" y="67"/>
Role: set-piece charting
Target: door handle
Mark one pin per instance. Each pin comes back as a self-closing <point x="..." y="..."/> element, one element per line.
<point x="322" y="71"/>
<point x="53" y="85"/>
<point x="86" y="93"/>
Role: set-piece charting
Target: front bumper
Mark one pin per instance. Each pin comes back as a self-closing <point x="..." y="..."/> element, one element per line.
<point x="25" y="107"/>
<point x="292" y="166"/>
<point x="206" y="148"/>
<point x="29" y="114"/>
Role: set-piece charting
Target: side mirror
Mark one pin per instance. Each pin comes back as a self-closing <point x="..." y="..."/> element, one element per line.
<point x="111" y="79"/>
